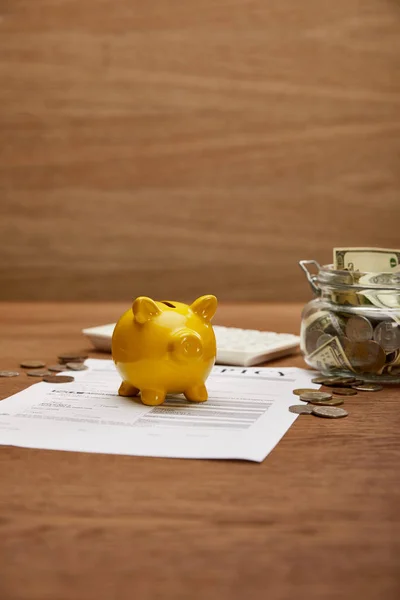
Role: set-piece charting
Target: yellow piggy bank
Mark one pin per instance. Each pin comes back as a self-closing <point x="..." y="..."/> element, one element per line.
<point x="165" y="347"/>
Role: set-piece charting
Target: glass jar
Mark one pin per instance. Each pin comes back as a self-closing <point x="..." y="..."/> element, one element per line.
<point x="353" y="324"/>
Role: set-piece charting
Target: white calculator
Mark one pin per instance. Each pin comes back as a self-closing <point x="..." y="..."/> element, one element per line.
<point x="238" y="347"/>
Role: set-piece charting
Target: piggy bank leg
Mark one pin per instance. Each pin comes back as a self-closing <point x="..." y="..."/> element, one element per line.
<point x="197" y="393"/>
<point x="152" y="397"/>
<point x="126" y="389"/>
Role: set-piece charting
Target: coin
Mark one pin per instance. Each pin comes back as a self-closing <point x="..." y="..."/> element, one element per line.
<point x="9" y="373"/>
<point x="387" y="335"/>
<point x="339" y="381"/>
<point x="76" y="366"/>
<point x="368" y="387"/>
<point x="58" y="379"/>
<point x="301" y="391"/>
<point x="329" y="412"/>
<point x="330" y="381"/>
<point x="72" y="357"/>
<point x="330" y="402"/>
<point x="57" y="368"/>
<point x="38" y="373"/>
<point x="320" y="379"/>
<point x="308" y="396"/>
<point x="366" y="357"/>
<point x="341" y="391"/>
<point x="358" y="329"/>
<point x="301" y="409"/>
<point x="32" y="364"/>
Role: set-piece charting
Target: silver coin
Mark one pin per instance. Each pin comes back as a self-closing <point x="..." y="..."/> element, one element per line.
<point x="38" y="373"/>
<point x="57" y="368"/>
<point x="329" y="412"/>
<point x="359" y="329"/>
<point x="387" y="335"/>
<point x="368" y="387"/>
<point x="301" y="409"/>
<point x="9" y="373"/>
<point x="76" y="366"/>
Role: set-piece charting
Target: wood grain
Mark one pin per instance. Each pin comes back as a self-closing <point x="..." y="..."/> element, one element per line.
<point x="317" y="519"/>
<point x="171" y="149"/>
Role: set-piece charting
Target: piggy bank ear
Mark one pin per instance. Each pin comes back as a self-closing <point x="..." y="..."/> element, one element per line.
<point x="144" y="309"/>
<point x="205" y="307"/>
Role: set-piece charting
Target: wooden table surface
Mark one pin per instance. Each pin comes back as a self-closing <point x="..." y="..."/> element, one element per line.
<point x="318" y="519"/>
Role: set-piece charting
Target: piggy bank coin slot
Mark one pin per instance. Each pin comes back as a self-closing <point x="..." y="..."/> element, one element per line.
<point x="168" y="304"/>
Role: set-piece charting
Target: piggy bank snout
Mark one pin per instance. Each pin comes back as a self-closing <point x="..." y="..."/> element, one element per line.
<point x="187" y="345"/>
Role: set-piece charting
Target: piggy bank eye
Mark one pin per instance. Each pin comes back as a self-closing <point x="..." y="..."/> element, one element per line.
<point x="168" y="304"/>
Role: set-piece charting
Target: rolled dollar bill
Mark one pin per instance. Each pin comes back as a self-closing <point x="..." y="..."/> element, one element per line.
<point x="330" y="356"/>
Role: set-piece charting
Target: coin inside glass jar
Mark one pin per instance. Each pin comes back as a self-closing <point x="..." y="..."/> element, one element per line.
<point x="358" y="329"/>
<point x="387" y="335"/>
<point x="366" y="356"/>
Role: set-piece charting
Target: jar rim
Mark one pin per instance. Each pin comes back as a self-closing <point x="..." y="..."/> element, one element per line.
<point x="329" y="276"/>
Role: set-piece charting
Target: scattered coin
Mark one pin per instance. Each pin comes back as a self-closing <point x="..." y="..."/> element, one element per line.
<point x="301" y="391"/>
<point x="71" y="357"/>
<point x="58" y="379"/>
<point x="387" y="335"/>
<point x="368" y="387"/>
<point x="330" y="381"/>
<point x="308" y="396"/>
<point x="38" y="373"/>
<point x="9" y="373"/>
<point x="76" y="366"/>
<point x="301" y="409"/>
<point x="359" y="329"/>
<point x="339" y="381"/>
<point x="331" y="402"/>
<point x="329" y="412"/>
<point x="32" y="364"/>
<point x="320" y="379"/>
<point x="341" y="391"/>
<point x="57" y="368"/>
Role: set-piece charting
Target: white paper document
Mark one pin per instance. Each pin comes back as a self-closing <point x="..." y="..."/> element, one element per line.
<point x="244" y="418"/>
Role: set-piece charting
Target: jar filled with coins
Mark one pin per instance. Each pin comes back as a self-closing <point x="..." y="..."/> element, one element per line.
<point x="352" y="326"/>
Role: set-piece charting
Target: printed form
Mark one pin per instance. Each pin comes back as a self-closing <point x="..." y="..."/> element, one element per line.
<point x="244" y="418"/>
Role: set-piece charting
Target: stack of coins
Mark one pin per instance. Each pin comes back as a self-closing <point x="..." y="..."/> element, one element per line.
<point x="360" y="344"/>
<point x="326" y="404"/>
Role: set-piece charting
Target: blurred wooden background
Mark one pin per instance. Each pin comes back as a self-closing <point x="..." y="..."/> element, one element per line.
<point x="176" y="147"/>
